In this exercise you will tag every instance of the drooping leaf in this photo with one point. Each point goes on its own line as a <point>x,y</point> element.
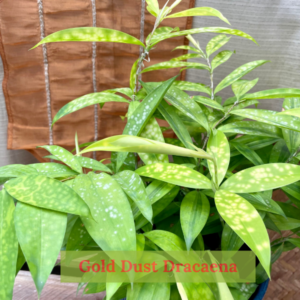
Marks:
<point>243,218</point>
<point>186,56</point>
<point>133,186</point>
<point>252,128</point>
<point>200,11</point>
<point>280,152</point>
<point>230,240</point>
<point>40,233</point>
<point>262,178</point>
<point>175,174</point>
<point>113,228</point>
<point>274,94</point>
<point>148,291</point>
<point>90,34</point>
<point>125,91</point>
<point>87,100</point>
<point>8,246</point>
<point>44,192</point>
<point>93,164</point>
<point>194,211</point>
<point>218,148</point>
<point>53,170</point>
<point>216,43</point>
<point>238,73</point>
<point>65,156</point>
<point>128,143</point>
<point>208,102</point>
<point>175,64</point>
<point>220,58</point>
<point>192,86</point>
<point>241,87</point>
<point>248,153</point>
<point>141,115</point>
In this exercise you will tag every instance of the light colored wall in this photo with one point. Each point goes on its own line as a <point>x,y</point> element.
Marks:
<point>9,156</point>
<point>275,24</point>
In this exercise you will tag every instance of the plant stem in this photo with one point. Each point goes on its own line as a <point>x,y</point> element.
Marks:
<point>293,155</point>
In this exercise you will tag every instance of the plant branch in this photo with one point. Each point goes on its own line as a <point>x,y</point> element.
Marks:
<point>286,238</point>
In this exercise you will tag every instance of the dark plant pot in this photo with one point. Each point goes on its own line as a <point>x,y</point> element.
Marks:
<point>259,293</point>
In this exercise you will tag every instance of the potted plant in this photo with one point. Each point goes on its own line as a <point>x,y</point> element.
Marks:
<point>210,188</point>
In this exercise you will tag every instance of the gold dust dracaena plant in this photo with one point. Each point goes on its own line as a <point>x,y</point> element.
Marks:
<point>210,188</point>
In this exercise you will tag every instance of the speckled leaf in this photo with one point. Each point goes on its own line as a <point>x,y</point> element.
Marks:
<point>160,30</point>
<point>53,170</point>
<point>230,240</point>
<point>189,48</point>
<point>186,56</point>
<point>128,143</point>
<point>90,34</point>
<point>175,64</point>
<point>248,153</point>
<point>65,156</point>
<point>192,87</point>
<point>41,191</point>
<point>280,152</point>
<point>8,246</point>
<point>87,100</point>
<point>218,148</point>
<point>238,73</point>
<point>175,174</point>
<point>269,117</point>
<point>133,186</point>
<point>241,87</point>
<point>252,128</point>
<point>208,102</point>
<point>194,211</point>
<point>262,178</point>
<point>40,233</point>
<point>142,114</point>
<point>93,164</point>
<point>183,102</point>
<point>153,4</point>
<point>13,171</point>
<point>148,291</point>
<point>125,91</point>
<point>273,94</point>
<point>78,238</point>
<point>199,11</point>
<point>220,58</point>
<point>216,43</point>
<point>246,222</point>
<point>114,227</point>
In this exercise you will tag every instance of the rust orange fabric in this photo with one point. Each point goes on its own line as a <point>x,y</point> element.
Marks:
<point>70,68</point>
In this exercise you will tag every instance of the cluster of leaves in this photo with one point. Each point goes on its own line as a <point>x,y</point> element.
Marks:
<point>208,189</point>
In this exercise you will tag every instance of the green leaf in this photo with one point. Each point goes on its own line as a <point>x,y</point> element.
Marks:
<point>295,242</point>
<point>230,240</point>
<point>280,152</point>
<point>65,156</point>
<point>16,170</point>
<point>8,246</point>
<point>199,11</point>
<point>238,73</point>
<point>252,128</point>
<point>160,30</point>
<point>175,64</point>
<point>93,164</point>
<point>148,291</point>
<point>44,192</point>
<point>142,114</point>
<point>194,211</point>
<point>284,223</point>
<point>220,58</point>
<point>128,143</point>
<point>133,186</point>
<point>216,43</point>
<point>90,34</point>
<point>262,178</point>
<point>269,117</point>
<point>192,86</point>
<point>248,153</point>
<point>175,174</point>
<point>243,218</point>
<point>189,48</point>
<point>111,289</point>
<point>113,228</point>
<point>274,94</point>
<point>40,233</point>
<point>208,102</point>
<point>241,87</point>
<point>53,170</point>
<point>87,100</point>
<point>153,4</point>
<point>186,56</point>
<point>133,74</point>
<point>218,148</point>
